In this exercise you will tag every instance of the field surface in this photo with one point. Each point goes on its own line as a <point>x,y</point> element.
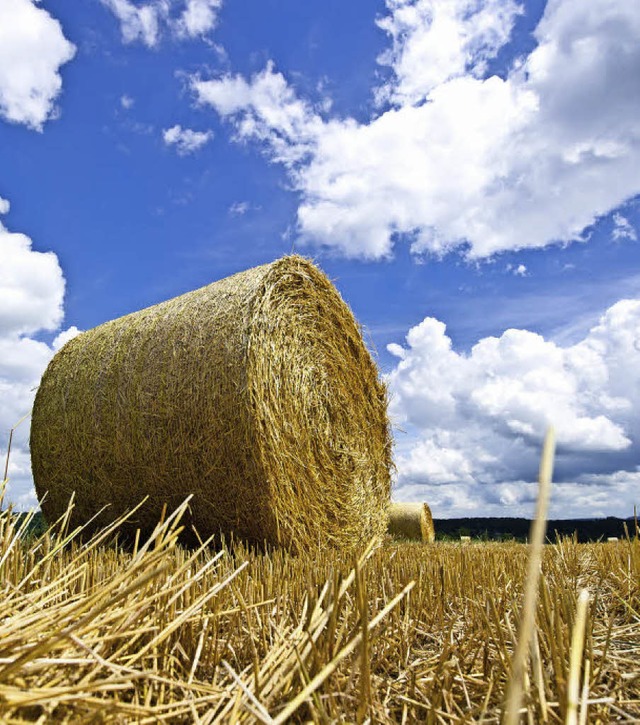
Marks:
<point>91,632</point>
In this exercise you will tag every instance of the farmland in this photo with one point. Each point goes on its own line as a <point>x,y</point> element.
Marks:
<point>91,631</point>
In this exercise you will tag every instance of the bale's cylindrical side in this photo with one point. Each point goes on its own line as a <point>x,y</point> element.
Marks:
<point>411,521</point>
<point>255,394</point>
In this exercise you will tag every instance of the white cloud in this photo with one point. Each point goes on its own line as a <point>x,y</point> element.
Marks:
<point>5,206</point>
<point>590,497</point>
<point>32,292</point>
<point>477,420</point>
<point>146,22</point>
<point>198,17</point>
<point>462,160</point>
<point>185,140</point>
<point>22,362</point>
<point>31,286</point>
<point>63,337</point>
<point>622,228</point>
<point>519,270</point>
<point>32,49</point>
<point>266,109</point>
<point>126,101</point>
<point>239,208</point>
<point>435,41</point>
<point>139,22</point>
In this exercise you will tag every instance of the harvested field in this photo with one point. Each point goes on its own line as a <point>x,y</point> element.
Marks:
<point>255,394</point>
<point>405,633</point>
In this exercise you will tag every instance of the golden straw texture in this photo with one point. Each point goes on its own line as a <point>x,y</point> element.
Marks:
<point>256,394</point>
<point>411,521</point>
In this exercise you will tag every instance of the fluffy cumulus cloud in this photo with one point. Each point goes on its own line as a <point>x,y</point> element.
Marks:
<point>127,102</point>
<point>197,18</point>
<point>474,422</point>
<point>458,158</point>
<point>31,287</point>
<point>435,41</point>
<point>185,140</point>
<point>139,22</point>
<point>32,50</point>
<point>32,292</point>
<point>519,270</point>
<point>266,109</point>
<point>145,22</point>
<point>622,229</point>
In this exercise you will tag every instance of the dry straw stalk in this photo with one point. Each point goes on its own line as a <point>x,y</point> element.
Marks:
<point>411,521</point>
<point>256,394</point>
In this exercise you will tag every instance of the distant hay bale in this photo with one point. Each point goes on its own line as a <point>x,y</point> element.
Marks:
<point>465,539</point>
<point>612,539</point>
<point>411,521</point>
<point>256,394</point>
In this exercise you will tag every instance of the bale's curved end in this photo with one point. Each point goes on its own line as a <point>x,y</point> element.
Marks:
<point>256,394</point>
<point>411,521</point>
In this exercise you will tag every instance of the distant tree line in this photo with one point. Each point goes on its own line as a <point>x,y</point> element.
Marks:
<point>491,529</point>
<point>509,529</point>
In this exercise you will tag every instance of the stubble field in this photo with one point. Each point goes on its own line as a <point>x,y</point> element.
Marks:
<point>92,632</point>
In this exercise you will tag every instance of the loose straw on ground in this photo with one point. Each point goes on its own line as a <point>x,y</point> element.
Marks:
<point>577,648</point>
<point>527,622</point>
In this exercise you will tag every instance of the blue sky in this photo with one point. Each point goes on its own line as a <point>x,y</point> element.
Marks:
<point>467,172</point>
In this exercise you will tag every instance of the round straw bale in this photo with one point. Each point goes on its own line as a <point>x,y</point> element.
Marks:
<point>256,394</point>
<point>411,521</point>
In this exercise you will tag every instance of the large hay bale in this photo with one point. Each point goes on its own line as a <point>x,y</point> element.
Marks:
<point>411,521</point>
<point>256,394</point>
